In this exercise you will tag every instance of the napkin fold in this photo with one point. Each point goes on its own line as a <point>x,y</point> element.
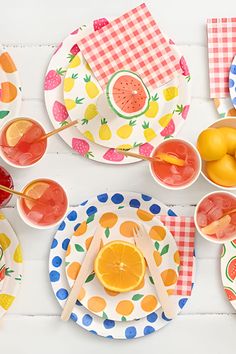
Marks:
<point>133,42</point>
<point>183,231</point>
<point>221,51</point>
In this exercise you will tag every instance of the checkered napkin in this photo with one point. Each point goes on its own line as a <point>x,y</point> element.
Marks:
<point>133,41</point>
<point>221,51</point>
<point>183,230</point>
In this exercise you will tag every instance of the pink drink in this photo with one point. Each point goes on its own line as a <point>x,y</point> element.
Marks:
<point>50,203</point>
<point>5,180</point>
<point>20,142</point>
<point>214,207</point>
<point>170,174</point>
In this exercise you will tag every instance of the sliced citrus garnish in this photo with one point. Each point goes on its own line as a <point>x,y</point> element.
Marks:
<point>217,225</point>
<point>120,266</point>
<point>35,191</point>
<point>16,130</point>
<point>173,160</point>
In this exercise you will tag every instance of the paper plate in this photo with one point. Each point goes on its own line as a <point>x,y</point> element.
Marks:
<point>232,82</point>
<point>224,107</point>
<point>2,267</point>
<point>228,270</point>
<point>10,90</point>
<point>80,85</point>
<point>84,318</point>
<point>13,261</point>
<point>59,115</point>
<point>118,225</point>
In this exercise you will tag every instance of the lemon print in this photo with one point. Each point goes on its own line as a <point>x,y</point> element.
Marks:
<point>170,92</point>
<point>149,303</point>
<point>125,147</point>
<point>126,130</point>
<point>169,277</point>
<point>96,304</point>
<point>2,217</point>
<point>125,307</point>
<point>153,107</point>
<point>157,233</point>
<point>104,131</point>
<point>157,257</point>
<point>177,257</point>
<point>69,82</point>
<point>108,220</point>
<point>149,133</point>
<point>4,241</point>
<point>144,215</point>
<point>89,135</point>
<point>75,62</point>
<point>81,229</point>
<point>70,104</point>
<point>127,228</point>
<point>90,87</point>
<point>165,120</point>
<point>18,255</point>
<point>90,113</point>
<point>6,301</point>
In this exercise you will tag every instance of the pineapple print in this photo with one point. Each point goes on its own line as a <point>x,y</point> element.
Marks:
<point>70,104</point>
<point>88,67</point>
<point>90,113</point>
<point>89,135</point>
<point>165,120</point>
<point>170,92</point>
<point>6,301</point>
<point>148,133</point>
<point>69,82</point>
<point>153,107</point>
<point>90,87</point>
<point>18,255</point>
<point>126,130</point>
<point>74,62</point>
<point>104,131</point>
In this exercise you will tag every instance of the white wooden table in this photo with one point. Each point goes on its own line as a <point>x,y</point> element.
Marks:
<point>30,33</point>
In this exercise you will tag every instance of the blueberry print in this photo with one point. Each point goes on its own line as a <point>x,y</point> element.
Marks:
<point>171,213</point>
<point>54,276</point>
<point>65,244</point>
<point>155,209</point>
<point>54,243</point>
<point>117,198</point>
<point>62,226</point>
<point>87,320</point>
<point>152,317</point>
<point>102,198</point>
<point>130,332</point>
<point>91,210</point>
<point>182,302</point>
<point>72,215</point>
<point>74,317</point>
<point>62,294</point>
<point>134,203</point>
<point>146,198</point>
<point>109,324</point>
<point>56,261</point>
<point>148,329</point>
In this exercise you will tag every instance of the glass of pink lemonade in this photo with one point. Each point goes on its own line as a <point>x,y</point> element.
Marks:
<point>176,176</point>
<point>215,217</point>
<point>48,207</point>
<point>20,144</point>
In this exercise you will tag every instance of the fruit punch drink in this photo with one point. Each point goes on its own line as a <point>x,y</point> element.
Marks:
<point>20,142</point>
<point>49,206</point>
<point>5,180</point>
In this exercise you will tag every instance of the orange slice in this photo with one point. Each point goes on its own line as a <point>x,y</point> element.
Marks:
<point>173,160</point>
<point>35,190</point>
<point>217,225</point>
<point>16,130</point>
<point>120,266</point>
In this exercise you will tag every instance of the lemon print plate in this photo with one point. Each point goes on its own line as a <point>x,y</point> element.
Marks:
<point>13,263</point>
<point>118,224</point>
<point>67,57</point>
<point>60,246</point>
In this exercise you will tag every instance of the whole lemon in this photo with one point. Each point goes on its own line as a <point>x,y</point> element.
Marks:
<point>230,137</point>
<point>222,171</point>
<point>211,144</point>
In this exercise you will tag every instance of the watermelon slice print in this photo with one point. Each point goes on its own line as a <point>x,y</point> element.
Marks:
<point>230,293</point>
<point>231,269</point>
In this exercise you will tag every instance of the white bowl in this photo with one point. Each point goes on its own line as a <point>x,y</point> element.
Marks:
<point>185,185</point>
<point>208,238</point>
<point>224,122</point>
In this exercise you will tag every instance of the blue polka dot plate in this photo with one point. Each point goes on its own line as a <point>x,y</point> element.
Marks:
<point>232,82</point>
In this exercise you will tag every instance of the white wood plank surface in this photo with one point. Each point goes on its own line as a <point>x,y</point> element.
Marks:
<point>30,30</point>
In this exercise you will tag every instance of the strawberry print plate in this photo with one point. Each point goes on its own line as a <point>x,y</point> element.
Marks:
<point>228,271</point>
<point>57,272</point>
<point>10,92</point>
<point>118,224</point>
<point>2,267</point>
<point>65,57</point>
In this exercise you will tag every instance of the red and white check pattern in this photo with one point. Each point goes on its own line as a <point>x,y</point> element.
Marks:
<point>221,51</point>
<point>183,230</point>
<point>133,42</point>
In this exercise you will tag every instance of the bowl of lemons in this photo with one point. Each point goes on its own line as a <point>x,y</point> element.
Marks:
<point>217,147</point>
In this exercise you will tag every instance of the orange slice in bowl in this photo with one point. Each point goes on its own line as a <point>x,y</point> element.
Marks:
<point>173,160</point>
<point>217,225</point>
<point>35,191</point>
<point>16,130</point>
<point>120,266</point>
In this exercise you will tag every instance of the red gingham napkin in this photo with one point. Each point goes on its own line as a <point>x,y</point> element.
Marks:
<point>221,51</point>
<point>183,230</point>
<point>133,41</point>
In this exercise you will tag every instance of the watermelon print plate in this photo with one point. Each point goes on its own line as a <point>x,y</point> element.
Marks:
<point>224,107</point>
<point>10,92</point>
<point>118,224</point>
<point>58,114</point>
<point>84,318</point>
<point>13,262</point>
<point>228,270</point>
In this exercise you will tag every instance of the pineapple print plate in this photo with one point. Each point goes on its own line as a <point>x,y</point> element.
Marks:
<point>57,274</point>
<point>61,61</point>
<point>13,263</point>
<point>118,224</point>
<point>228,271</point>
<point>10,93</point>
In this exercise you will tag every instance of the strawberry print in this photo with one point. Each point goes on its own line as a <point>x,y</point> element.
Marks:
<point>74,50</point>
<point>183,110</point>
<point>59,111</point>
<point>146,149</point>
<point>184,66</point>
<point>53,79</point>
<point>98,24</point>
<point>168,130</point>
<point>82,147</point>
<point>75,31</point>
<point>113,155</point>
<point>2,273</point>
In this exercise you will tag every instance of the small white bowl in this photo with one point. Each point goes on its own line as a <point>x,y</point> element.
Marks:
<point>224,122</point>
<point>185,185</point>
<point>208,238</point>
<point>3,156</point>
<point>33,225</point>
